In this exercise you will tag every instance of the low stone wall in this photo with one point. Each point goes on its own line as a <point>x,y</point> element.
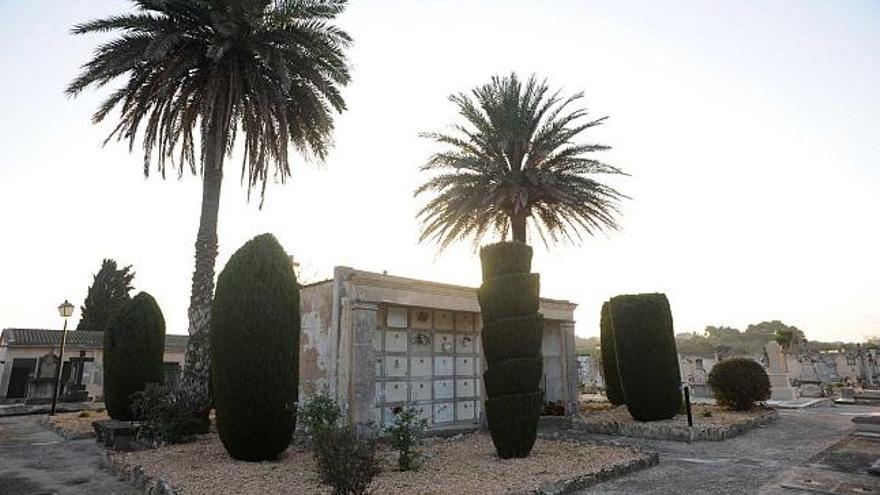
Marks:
<point>678,433</point>
<point>573,485</point>
<point>135,475</point>
<point>67,435</point>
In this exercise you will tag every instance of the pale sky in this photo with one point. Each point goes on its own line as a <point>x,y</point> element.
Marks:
<point>751,130</point>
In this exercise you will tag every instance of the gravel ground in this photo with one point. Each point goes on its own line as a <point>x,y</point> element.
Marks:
<point>77,423</point>
<point>466,464</point>
<point>719,415</point>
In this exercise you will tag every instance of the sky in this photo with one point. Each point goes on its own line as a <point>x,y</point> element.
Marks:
<point>750,130</point>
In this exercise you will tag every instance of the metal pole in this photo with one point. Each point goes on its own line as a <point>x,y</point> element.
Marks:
<point>58,368</point>
<point>687,405</point>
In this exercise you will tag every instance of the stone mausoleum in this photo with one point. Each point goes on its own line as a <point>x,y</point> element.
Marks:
<point>375,341</point>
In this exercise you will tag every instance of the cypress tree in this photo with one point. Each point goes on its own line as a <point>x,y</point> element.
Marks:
<point>134,345</point>
<point>512,328</point>
<point>647,360</point>
<point>609,357</point>
<point>108,293</point>
<point>255,326</point>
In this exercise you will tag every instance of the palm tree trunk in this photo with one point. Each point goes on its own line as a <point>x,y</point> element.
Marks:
<point>518,227</point>
<point>195,381</point>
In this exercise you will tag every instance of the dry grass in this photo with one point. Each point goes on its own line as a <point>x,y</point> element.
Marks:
<point>77,423</point>
<point>703,414</point>
<point>467,464</point>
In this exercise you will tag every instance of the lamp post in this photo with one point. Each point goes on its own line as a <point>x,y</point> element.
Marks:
<point>65,310</point>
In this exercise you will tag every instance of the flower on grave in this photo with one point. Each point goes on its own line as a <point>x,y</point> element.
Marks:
<point>397,410</point>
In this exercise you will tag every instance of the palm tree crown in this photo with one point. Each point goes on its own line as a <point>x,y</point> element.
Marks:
<point>270,69</point>
<point>516,158</point>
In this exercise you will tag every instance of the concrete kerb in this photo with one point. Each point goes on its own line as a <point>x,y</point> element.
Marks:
<point>67,435</point>
<point>572,485</point>
<point>135,475</point>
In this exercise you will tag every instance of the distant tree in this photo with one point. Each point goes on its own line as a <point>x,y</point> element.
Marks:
<point>872,342</point>
<point>108,293</point>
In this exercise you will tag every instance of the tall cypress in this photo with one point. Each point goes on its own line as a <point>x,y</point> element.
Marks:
<point>108,293</point>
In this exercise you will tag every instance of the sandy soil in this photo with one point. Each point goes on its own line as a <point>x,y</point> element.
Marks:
<point>703,414</point>
<point>77,423</point>
<point>466,464</point>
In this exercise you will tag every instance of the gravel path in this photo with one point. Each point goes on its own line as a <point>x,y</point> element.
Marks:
<point>33,460</point>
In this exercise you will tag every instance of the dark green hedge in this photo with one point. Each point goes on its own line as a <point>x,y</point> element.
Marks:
<point>609,357</point>
<point>514,376</point>
<point>516,337</point>
<point>134,344</point>
<point>513,423</point>
<point>647,360</point>
<point>509,295</point>
<point>255,325</point>
<point>505,258</point>
<point>738,383</point>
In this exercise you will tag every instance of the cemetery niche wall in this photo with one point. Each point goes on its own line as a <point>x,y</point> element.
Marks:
<point>375,342</point>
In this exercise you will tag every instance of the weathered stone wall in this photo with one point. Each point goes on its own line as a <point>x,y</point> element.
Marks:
<point>316,306</point>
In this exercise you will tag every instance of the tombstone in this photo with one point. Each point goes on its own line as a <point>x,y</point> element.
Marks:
<point>780,384</point>
<point>811,390</point>
<point>41,387</point>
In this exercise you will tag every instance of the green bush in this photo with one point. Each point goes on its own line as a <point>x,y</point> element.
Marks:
<point>346,460</point>
<point>166,415</point>
<point>512,331</point>
<point>647,360</point>
<point>255,325</point>
<point>738,383</point>
<point>609,357</point>
<point>516,337</point>
<point>513,422</point>
<point>405,434</point>
<point>504,258</point>
<point>134,344</point>
<point>505,296</point>
<point>319,413</point>
<point>514,376</point>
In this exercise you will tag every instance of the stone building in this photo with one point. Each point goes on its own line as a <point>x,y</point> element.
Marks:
<point>374,342</point>
<point>28,360</point>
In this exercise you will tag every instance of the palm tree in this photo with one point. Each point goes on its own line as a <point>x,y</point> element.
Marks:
<point>269,70</point>
<point>516,158</point>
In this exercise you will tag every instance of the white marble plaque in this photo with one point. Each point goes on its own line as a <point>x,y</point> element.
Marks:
<point>465,387</point>
<point>443,389</point>
<point>395,366</point>
<point>395,341</point>
<point>420,366</point>
<point>464,366</point>
<point>465,344</point>
<point>443,365</point>
<point>464,410</point>
<point>420,390</point>
<point>443,412</point>
<point>444,343</point>
<point>396,318</point>
<point>395,392</point>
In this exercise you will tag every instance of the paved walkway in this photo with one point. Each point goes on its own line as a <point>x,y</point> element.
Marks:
<point>753,463</point>
<point>35,461</point>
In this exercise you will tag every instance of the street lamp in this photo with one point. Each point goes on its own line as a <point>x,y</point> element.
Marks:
<point>64,310</point>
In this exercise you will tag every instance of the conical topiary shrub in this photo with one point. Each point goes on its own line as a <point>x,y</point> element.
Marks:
<point>609,357</point>
<point>134,344</point>
<point>647,360</point>
<point>512,328</point>
<point>255,325</point>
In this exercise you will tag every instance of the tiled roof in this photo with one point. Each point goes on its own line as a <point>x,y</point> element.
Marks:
<point>34,337</point>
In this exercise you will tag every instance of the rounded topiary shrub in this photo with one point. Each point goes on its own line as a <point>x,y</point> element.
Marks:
<point>134,343</point>
<point>609,357</point>
<point>647,360</point>
<point>255,325</point>
<point>512,331</point>
<point>739,383</point>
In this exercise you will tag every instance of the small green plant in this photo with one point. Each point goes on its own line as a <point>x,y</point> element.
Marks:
<point>405,433</point>
<point>706,413</point>
<point>84,414</point>
<point>738,383</point>
<point>165,415</point>
<point>346,460</point>
<point>319,413</point>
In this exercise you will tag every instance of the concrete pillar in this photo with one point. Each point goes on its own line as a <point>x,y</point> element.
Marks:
<point>363,362</point>
<point>569,367</point>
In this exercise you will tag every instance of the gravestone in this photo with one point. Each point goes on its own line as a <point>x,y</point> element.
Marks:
<point>780,385</point>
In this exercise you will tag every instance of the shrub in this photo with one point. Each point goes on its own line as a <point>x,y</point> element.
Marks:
<point>85,414</point>
<point>609,357</point>
<point>166,415</point>
<point>255,324</point>
<point>517,337</point>
<point>346,460</point>
<point>509,301</point>
<point>405,433</point>
<point>319,413</point>
<point>556,408</point>
<point>134,343</point>
<point>706,413</point>
<point>647,360</point>
<point>738,383</point>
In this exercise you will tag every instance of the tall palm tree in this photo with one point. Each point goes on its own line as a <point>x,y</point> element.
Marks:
<point>515,157</point>
<point>269,70</point>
